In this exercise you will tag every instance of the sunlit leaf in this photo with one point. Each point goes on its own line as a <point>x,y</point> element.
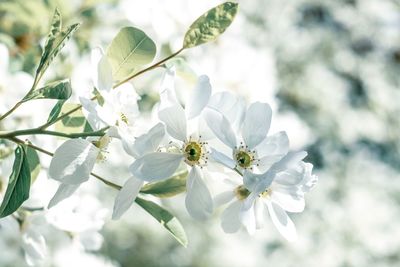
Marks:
<point>129,50</point>
<point>34,163</point>
<point>55,111</point>
<point>169,221</point>
<point>210,25</point>
<point>167,188</point>
<point>55,90</point>
<point>54,43</point>
<point>18,184</point>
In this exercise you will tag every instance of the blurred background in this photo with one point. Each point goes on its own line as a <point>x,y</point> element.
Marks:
<point>330,69</point>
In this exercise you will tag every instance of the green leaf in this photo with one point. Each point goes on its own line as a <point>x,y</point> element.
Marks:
<point>73,123</point>
<point>169,221</point>
<point>54,43</point>
<point>129,50</point>
<point>167,188</point>
<point>55,90</point>
<point>34,163</point>
<point>18,184</point>
<point>55,111</point>
<point>210,25</point>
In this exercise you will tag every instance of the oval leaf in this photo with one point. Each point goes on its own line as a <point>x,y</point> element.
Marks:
<point>169,221</point>
<point>128,51</point>
<point>55,90</point>
<point>34,163</point>
<point>18,184</point>
<point>210,25</point>
<point>167,188</point>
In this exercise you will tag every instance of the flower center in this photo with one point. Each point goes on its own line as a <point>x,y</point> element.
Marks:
<point>195,152</point>
<point>241,192</point>
<point>244,157</point>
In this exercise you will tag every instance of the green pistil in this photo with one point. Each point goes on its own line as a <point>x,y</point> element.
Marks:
<point>243,159</point>
<point>193,151</point>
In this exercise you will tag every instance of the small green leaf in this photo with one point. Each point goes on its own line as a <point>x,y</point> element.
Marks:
<point>210,25</point>
<point>182,69</point>
<point>167,188</point>
<point>55,90</point>
<point>55,111</point>
<point>73,123</point>
<point>169,221</point>
<point>34,163</point>
<point>129,50</point>
<point>18,184</point>
<point>56,40</point>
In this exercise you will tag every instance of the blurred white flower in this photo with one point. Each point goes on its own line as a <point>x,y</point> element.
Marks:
<point>117,108</point>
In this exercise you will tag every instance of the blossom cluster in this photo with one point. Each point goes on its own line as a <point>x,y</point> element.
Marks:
<point>209,131</point>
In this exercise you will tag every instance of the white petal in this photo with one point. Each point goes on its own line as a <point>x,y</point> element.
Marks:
<point>167,90</point>
<point>289,202</point>
<point>90,113</point>
<point>220,127</point>
<point>248,219</point>
<point>198,200</point>
<point>126,196</point>
<point>91,240</point>
<point>232,106</point>
<point>290,160</point>
<point>272,149</point>
<point>259,213</point>
<point>64,191</point>
<point>310,180</point>
<point>230,221</point>
<point>104,77</point>
<point>95,57</point>
<point>258,183</point>
<point>149,141</point>
<point>223,198</point>
<point>256,124</point>
<point>156,166</point>
<point>34,246</point>
<point>73,161</point>
<point>282,221</point>
<point>175,120</point>
<point>222,158</point>
<point>199,97</point>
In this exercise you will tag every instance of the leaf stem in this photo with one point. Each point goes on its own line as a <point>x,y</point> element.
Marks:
<point>10,111</point>
<point>155,65</point>
<point>37,131</point>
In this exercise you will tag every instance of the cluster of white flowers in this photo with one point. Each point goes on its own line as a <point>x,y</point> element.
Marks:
<point>208,131</point>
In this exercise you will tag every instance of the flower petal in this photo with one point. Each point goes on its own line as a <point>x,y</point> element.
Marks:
<point>258,183</point>
<point>230,221</point>
<point>34,246</point>
<point>145,143</point>
<point>198,200</point>
<point>256,124</point>
<point>248,219</point>
<point>222,158</point>
<point>232,106</point>
<point>156,166</point>
<point>126,196</point>
<point>290,160</point>
<point>259,213</point>
<point>64,191</point>
<point>167,90</point>
<point>73,161</point>
<point>223,198</point>
<point>175,120</point>
<point>199,97</point>
<point>289,202</point>
<point>282,221</point>
<point>104,77</point>
<point>272,149</point>
<point>220,127</point>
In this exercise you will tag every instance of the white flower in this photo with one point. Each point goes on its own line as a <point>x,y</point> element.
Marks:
<point>251,148</point>
<point>117,108</point>
<point>143,145</point>
<point>188,148</point>
<point>280,189</point>
<point>71,165</point>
